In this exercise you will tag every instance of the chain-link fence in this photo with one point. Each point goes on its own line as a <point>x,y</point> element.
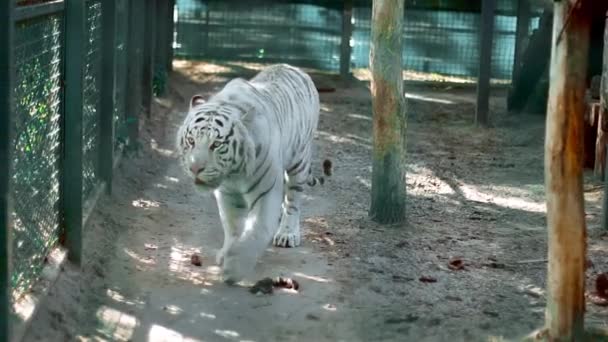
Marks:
<point>67,124</point>
<point>440,37</point>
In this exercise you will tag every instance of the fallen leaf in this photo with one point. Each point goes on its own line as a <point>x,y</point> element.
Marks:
<point>426,279</point>
<point>196,260</point>
<point>601,285</point>
<point>150,246</point>
<point>456,264</point>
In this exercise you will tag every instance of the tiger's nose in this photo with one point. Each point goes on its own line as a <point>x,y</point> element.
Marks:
<point>195,169</point>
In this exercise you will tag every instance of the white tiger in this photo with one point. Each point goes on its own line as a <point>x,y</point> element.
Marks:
<point>251,144</point>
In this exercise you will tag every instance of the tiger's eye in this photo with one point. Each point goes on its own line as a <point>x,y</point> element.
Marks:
<point>191,141</point>
<point>215,145</point>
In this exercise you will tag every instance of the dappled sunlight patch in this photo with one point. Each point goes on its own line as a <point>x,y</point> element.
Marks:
<point>145,204</point>
<point>330,307</point>
<point>207,315</point>
<point>160,186</point>
<point>473,193</point>
<point>173,309</point>
<point>116,324</point>
<point>427,99</point>
<point>162,151</point>
<point>159,333</point>
<point>364,181</point>
<point>180,264</point>
<point>360,117</point>
<point>146,260</point>
<point>313,278</point>
<point>325,108</point>
<point>422,180</point>
<point>342,140</point>
<point>119,298</point>
<point>230,334</point>
<point>171,179</point>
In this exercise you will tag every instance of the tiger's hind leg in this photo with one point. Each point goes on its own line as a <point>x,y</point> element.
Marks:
<point>288,234</point>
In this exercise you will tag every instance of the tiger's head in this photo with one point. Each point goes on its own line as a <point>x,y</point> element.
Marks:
<point>213,143</point>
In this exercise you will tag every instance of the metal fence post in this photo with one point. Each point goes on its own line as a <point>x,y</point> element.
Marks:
<point>134,53</point>
<point>171,33</point>
<point>108,86</point>
<point>347,32</point>
<point>148,62</point>
<point>521,33</point>
<point>72,127</point>
<point>6,92</point>
<point>485,63</point>
<point>161,53</point>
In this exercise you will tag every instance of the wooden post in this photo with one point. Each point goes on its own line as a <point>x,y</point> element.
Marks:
<point>563,172</point>
<point>485,62</point>
<point>108,87</point>
<point>603,112</point>
<point>389,118</point>
<point>72,127</point>
<point>6,110</point>
<point>347,33</point>
<point>521,32</point>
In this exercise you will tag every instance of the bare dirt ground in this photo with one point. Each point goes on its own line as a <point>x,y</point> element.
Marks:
<point>474,195</point>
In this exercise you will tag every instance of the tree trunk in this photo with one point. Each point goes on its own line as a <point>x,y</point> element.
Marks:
<point>388,105</point>
<point>563,172</point>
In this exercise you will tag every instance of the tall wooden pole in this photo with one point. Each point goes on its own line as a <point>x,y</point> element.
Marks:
<point>388,105</point>
<point>563,171</point>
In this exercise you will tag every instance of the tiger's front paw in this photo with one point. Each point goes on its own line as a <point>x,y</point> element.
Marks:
<point>236,267</point>
<point>219,257</point>
<point>287,239</point>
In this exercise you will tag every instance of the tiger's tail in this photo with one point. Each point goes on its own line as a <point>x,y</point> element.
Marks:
<point>327,171</point>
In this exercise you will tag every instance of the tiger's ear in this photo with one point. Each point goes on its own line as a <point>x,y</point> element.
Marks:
<point>196,100</point>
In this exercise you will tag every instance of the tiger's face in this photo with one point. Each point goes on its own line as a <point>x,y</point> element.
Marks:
<point>212,144</point>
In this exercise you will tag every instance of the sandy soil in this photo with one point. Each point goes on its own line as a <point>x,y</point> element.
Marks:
<point>474,195</point>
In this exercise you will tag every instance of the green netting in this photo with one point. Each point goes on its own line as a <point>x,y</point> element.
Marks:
<point>439,36</point>
<point>37,146</point>
<point>92,79</point>
<point>121,60</point>
<point>266,31</point>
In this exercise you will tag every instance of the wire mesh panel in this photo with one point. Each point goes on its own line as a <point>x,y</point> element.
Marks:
<point>92,78</point>
<point>306,34</point>
<point>122,34</point>
<point>37,145</point>
<point>439,37</point>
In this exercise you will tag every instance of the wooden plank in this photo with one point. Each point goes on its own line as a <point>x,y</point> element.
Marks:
<point>564,317</point>
<point>108,94</point>
<point>389,117</point>
<point>75,31</point>
<point>521,32</point>
<point>347,33</point>
<point>485,63</point>
<point>6,109</point>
